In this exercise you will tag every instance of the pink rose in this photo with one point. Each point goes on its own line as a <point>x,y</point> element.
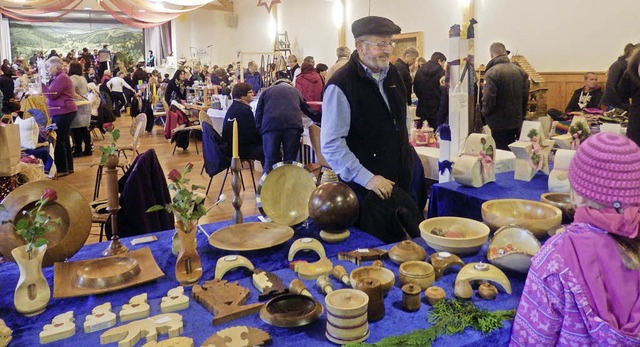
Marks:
<point>49,195</point>
<point>174,175</point>
<point>108,127</point>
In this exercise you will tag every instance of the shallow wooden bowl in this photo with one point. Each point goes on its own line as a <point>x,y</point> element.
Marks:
<point>561,201</point>
<point>385,276</point>
<point>406,250</point>
<point>283,193</point>
<point>512,248</point>
<point>535,216</point>
<point>291,310</point>
<point>475,235</point>
<point>106,273</point>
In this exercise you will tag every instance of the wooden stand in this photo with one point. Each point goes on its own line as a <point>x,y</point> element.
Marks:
<point>236,167</point>
<point>113,206</point>
<point>524,149</point>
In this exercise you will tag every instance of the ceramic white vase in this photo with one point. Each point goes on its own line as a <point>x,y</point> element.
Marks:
<point>32,293</point>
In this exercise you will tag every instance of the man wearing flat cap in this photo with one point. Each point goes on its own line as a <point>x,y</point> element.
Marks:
<point>364,136</point>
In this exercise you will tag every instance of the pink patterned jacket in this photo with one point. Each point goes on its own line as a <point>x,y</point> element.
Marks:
<point>555,307</point>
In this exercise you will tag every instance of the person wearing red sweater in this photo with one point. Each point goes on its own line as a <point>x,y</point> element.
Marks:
<point>310,84</point>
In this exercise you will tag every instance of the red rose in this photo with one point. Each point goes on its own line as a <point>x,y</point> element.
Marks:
<point>174,175</point>
<point>49,195</point>
<point>189,167</point>
<point>108,127</point>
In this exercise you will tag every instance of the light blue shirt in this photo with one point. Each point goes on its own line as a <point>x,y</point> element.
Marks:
<point>336,122</point>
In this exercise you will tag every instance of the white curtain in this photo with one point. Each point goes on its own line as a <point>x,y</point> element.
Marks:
<point>5,40</point>
<point>158,39</point>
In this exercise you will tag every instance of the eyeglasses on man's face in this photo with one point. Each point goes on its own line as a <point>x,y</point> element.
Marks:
<point>381,44</point>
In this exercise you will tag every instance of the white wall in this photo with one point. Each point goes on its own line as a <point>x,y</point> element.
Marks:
<point>554,35</point>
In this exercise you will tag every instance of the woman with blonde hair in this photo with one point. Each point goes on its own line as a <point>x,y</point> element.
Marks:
<point>583,287</point>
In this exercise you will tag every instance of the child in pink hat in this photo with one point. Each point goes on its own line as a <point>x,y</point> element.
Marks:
<point>583,287</point>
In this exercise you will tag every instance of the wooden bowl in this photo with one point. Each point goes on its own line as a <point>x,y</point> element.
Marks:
<point>291,310</point>
<point>417,272</point>
<point>283,194</point>
<point>536,216</point>
<point>475,235</point>
<point>385,276</point>
<point>512,248</point>
<point>406,250</point>
<point>561,201</point>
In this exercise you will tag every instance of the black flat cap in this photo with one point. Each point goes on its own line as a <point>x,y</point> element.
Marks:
<point>373,25</point>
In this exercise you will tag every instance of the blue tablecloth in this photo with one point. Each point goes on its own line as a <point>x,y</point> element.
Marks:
<point>197,320</point>
<point>454,199</point>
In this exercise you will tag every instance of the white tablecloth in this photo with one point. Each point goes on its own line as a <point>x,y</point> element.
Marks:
<point>217,117</point>
<point>505,161</point>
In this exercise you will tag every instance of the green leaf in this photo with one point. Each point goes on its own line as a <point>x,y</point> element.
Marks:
<point>39,242</point>
<point>22,224</point>
<point>155,208</point>
<point>115,135</point>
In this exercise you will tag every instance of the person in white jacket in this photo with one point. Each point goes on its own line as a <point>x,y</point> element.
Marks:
<point>116,86</point>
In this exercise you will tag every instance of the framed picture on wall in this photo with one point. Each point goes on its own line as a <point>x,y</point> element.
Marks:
<point>406,40</point>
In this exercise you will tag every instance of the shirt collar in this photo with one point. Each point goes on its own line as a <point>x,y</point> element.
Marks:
<point>383,72</point>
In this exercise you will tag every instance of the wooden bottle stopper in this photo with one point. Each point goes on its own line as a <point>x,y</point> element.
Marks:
<point>411,297</point>
<point>434,294</point>
<point>297,287</point>
<point>340,274</point>
<point>487,291</point>
<point>324,284</point>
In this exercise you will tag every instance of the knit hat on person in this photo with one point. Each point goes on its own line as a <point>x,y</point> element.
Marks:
<point>606,170</point>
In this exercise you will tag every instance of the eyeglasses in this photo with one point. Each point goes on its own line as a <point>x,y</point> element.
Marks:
<point>381,45</point>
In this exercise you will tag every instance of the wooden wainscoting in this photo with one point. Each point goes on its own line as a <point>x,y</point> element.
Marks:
<point>561,86</point>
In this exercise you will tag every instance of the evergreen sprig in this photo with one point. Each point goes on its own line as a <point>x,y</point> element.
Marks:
<point>448,317</point>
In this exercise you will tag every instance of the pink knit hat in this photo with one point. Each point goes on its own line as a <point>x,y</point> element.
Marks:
<point>606,169</point>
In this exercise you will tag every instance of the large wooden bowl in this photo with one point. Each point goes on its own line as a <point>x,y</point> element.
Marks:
<point>561,201</point>
<point>475,235</point>
<point>535,216</point>
<point>283,193</point>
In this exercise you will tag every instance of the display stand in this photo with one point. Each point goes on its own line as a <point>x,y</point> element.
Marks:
<point>531,151</point>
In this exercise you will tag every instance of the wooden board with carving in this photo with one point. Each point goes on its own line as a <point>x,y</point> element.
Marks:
<point>226,300</point>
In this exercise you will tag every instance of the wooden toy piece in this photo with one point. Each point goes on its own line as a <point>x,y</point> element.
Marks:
<point>268,284</point>
<point>129,334</point>
<point>5,334</point>
<point>360,254</point>
<point>324,284</point>
<point>307,244</point>
<point>180,341</point>
<point>297,287</point>
<point>62,326</point>
<point>225,300</point>
<point>311,271</point>
<point>559,176</point>
<point>100,318</point>
<point>137,308</point>
<point>476,164</point>
<point>240,336</point>
<point>230,262</point>
<point>340,274</point>
<point>531,156</point>
<point>174,301</point>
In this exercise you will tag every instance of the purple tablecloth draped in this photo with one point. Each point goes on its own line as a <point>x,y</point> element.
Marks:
<point>454,199</point>
<point>197,320</point>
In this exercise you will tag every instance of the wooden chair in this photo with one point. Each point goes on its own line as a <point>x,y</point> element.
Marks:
<point>314,136</point>
<point>140,122</point>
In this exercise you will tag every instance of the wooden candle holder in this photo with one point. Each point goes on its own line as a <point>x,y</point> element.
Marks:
<point>113,206</point>
<point>236,182</point>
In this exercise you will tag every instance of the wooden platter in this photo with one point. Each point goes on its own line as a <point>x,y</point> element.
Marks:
<point>102,275</point>
<point>283,193</point>
<point>70,207</point>
<point>291,310</point>
<point>250,236</point>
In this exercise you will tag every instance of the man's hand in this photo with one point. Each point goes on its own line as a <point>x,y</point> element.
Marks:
<point>381,186</point>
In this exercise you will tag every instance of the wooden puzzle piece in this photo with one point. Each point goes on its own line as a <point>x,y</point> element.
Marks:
<point>137,308</point>
<point>225,300</point>
<point>100,318</point>
<point>62,326</point>
<point>5,334</point>
<point>180,341</point>
<point>129,334</point>
<point>268,284</point>
<point>174,301</point>
<point>240,336</point>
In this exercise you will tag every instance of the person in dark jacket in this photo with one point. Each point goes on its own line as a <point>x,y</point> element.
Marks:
<point>279,120</point>
<point>9,104</point>
<point>427,88</point>
<point>310,84</point>
<point>253,77</point>
<point>404,68</point>
<point>364,138</point>
<point>249,139</point>
<point>586,97</point>
<point>139,75</point>
<point>176,90</point>
<point>629,88</point>
<point>505,97</point>
<point>611,99</point>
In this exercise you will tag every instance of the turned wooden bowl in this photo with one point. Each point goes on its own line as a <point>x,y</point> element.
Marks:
<point>535,216</point>
<point>561,201</point>
<point>291,310</point>
<point>512,248</point>
<point>385,276</point>
<point>417,272</point>
<point>474,233</point>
